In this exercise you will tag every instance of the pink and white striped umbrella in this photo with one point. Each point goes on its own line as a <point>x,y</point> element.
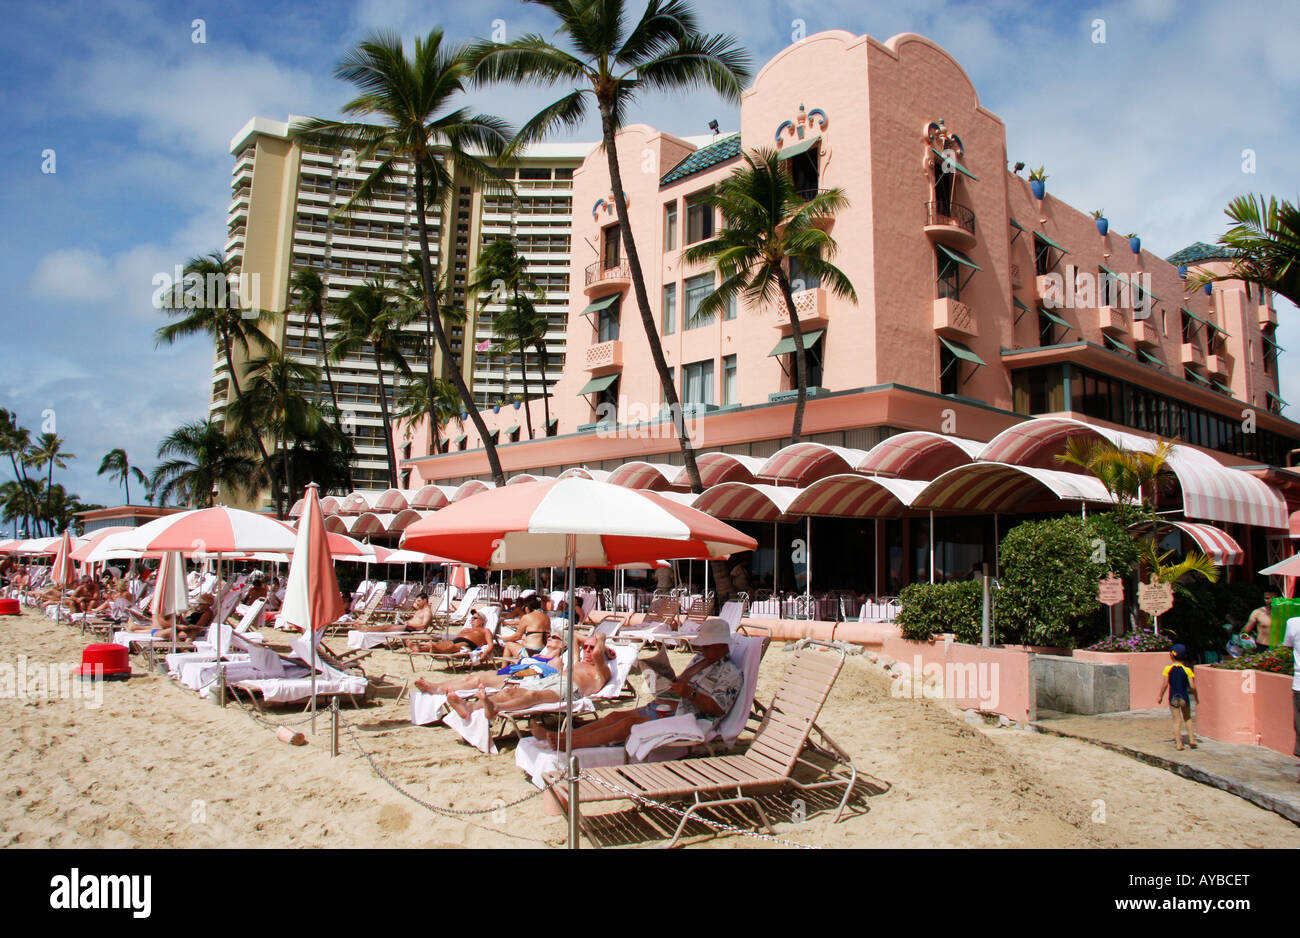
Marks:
<point>312,599</point>
<point>219,530</point>
<point>65,568</point>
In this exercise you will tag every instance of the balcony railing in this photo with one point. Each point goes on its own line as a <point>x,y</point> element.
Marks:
<point>605,357</point>
<point>809,305</point>
<point>950,213</point>
<point>599,273</point>
<point>954,319</point>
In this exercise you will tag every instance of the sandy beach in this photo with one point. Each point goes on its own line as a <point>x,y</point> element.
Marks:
<point>156,766</point>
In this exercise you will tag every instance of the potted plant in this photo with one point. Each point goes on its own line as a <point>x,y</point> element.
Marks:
<point>1134,242</point>
<point>1182,271</point>
<point>1038,182</point>
<point>1103,224</point>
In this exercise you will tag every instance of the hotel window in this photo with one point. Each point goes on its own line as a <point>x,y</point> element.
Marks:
<point>1189,328</point>
<point>699,218</point>
<point>949,371</point>
<point>802,279</point>
<point>730,385</point>
<point>729,310</point>
<point>607,324</point>
<point>805,172</point>
<point>955,271</point>
<point>697,290</point>
<point>1044,261</point>
<point>670,226</point>
<point>534,174</point>
<point>670,309</point>
<point>612,242</point>
<point>697,383</point>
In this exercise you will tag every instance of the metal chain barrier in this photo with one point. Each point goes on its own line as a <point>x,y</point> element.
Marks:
<point>258,718</point>
<point>717,825</point>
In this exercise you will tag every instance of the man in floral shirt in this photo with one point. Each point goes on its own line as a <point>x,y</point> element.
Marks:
<point>706,690</point>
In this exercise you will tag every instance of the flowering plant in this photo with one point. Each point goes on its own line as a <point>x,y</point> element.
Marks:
<point>1141,640</point>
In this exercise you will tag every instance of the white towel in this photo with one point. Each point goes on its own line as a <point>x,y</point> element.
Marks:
<point>538,759</point>
<point>649,736</point>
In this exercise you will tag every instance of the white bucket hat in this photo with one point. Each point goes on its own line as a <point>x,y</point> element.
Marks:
<point>714,631</point>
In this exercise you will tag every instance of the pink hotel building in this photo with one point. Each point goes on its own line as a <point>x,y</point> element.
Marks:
<point>959,335</point>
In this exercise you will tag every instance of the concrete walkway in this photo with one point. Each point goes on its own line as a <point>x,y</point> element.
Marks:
<point>1259,775</point>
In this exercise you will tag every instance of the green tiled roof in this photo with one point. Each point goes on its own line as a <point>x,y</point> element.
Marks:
<point>703,158</point>
<point>1200,251</point>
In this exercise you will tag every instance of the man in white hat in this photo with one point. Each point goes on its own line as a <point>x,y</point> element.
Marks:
<point>706,690</point>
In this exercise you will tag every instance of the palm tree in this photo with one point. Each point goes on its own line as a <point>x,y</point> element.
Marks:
<point>16,497</point>
<point>48,449</point>
<point>412,96</point>
<point>369,317</point>
<point>770,229</point>
<point>276,402</point>
<point>219,317</point>
<point>1265,244</point>
<point>115,462</point>
<point>15,440</point>
<point>417,399</point>
<point>203,457</point>
<point>503,272</point>
<point>613,64</point>
<point>309,288</point>
<point>1134,479</point>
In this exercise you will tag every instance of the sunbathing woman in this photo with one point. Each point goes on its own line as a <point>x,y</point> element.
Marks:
<point>531,631</point>
<point>590,674</point>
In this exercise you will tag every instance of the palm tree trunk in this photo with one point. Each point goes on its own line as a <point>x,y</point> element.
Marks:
<point>329,375</point>
<point>435,321</point>
<point>523,368</point>
<point>383,409</point>
<point>126,481</point>
<point>546,391</point>
<point>643,301</point>
<point>800,358</point>
<point>49,496</point>
<point>20,475</point>
<point>267,464</point>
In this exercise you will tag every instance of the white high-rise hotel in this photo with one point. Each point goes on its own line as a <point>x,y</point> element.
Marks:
<point>279,221</point>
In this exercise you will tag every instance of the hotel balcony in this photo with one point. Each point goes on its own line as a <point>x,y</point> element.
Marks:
<point>950,223</point>
<point>1192,354</point>
<point>605,358</point>
<point>810,305</point>
<point>600,277</point>
<point>1113,320</point>
<point>1267,316</point>
<point>1218,365</point>
<point>953,319</point>
<point>1145,332</point>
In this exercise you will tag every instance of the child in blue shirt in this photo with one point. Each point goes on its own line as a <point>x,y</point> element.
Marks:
<point>1179,681</point>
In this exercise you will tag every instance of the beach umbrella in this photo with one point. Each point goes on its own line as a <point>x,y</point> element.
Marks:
<point>65,569</point>
<point>312,599</point>
<point>458,576</point>
<point>582,522</point>
<point>1288,567</point>
<point>171,595</point>
<point>82,552</point>
<point>220,530</point>
<point>38,546</point>
<point>10,546</point>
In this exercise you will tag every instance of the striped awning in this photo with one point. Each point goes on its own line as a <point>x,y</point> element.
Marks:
<point>526,477</point>
<point>743,501</point>
<point>470,488</point>
<point>804,463</point>
<point>370,523</point>
<point>1211,490</point>
<point>644,475</point>
<point>432,497</point>
<point>1217,543</point>
<point>403,520</point>
<point>716,468</point>
<point>989,486</point>
<point>918,454</point>
<point>855,496</point>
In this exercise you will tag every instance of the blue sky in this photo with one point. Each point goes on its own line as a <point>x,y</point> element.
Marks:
<point>140,119</point>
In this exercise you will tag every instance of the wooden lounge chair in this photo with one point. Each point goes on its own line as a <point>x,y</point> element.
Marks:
<point>782,744</point>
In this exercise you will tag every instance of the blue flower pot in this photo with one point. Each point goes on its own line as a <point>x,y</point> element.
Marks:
<point>1103,226</point>
<point>1209,289</point>
<point>1182,271</point>
<point>1135,245</point>
<point>496,409</point>
<point>1039,188</point>
<point>516,405</point>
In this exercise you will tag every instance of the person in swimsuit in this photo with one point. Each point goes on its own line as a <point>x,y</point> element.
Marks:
<point>1180,681</point>
<point>532,630</point>
<point>419,620</point>
<point>474,636</point>
<point>706,690</point>
<point>1261,621</point>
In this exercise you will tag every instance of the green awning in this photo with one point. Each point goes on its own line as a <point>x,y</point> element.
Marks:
<point>786,345</point>
<point>1016,225</point>
<point>1046,240</point>
<point>1107,270</point>
<point>605,302</point>
<point>555,422</point>
<point>789,153</point>
<point>955,165</point>
<point>1223,332</point>
<point>1117,343</point>
<point>1151,358</point>
<point>1194,316</point>
<point>1273,345</point>
<point>1015,301</point>
<point>460,439</point>
<point>1195,377</point>
<point>1222,387</point>
<point>510,430</point>
<point>956,255</point>
<point>596,385</point>
<point>1274,397</point>
<point>962,351</point>
<point>1055,318</point>
<point>494,435</point>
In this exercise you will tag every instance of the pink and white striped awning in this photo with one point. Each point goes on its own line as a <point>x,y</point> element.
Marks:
<point>717,468</point>
<point>744,501</point>
<point>805,463</point>
<point>1218,544</point>
<point>919,454</point>
<point>855,496</point>
<point>527,477</point>
<point>1211,490</point>
<point>432,497</point>
<point>471,488</point>
<point>986,486</point>
<point>582,472</point>
<point>637,474</point>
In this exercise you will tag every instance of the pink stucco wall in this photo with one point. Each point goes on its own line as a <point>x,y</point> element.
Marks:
<point>1006,669</point>
<point>1248,707</point>
<point>1145,670</point>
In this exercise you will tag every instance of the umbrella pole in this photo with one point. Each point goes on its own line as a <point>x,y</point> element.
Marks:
<point>807,557</point>
<point>568,703</point>
<point>932,545</point>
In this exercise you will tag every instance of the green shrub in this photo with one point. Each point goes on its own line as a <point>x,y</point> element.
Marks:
<point>931,608</point>
<point>1278,660</point>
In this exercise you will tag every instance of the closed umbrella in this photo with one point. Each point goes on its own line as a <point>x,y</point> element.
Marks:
<point>65,569</point>
<point>171,595</point>
<point>588,524</point>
